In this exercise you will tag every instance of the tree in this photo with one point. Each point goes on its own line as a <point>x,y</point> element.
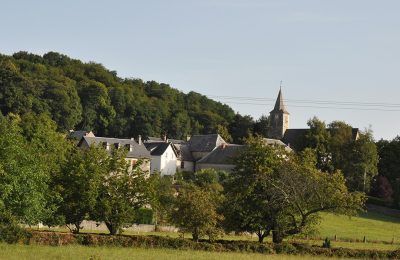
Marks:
<point>123,190</point>
<point>196,211</point>
<point>273,192</point>
<point>261,126</point>
<point>80,184</point>
<point>24,181</point>
<point>162,198</point>
<point>318,138</point>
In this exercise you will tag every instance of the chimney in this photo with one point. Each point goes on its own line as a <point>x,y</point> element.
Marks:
<point>139,140</point>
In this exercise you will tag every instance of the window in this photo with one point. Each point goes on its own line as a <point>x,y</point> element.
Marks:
<point>182,164</point>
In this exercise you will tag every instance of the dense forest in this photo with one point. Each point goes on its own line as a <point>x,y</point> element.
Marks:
<point>78,95</point>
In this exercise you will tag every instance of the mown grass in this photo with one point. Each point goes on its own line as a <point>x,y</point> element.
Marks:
<point>374,226</point>
<point>97,253</point>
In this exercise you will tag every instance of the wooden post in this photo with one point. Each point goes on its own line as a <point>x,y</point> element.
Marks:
<point>365,240</point>
<point>335,237</point>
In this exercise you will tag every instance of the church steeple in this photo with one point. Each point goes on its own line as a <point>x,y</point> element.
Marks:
<point>279,118</point>
<point>279,105</point>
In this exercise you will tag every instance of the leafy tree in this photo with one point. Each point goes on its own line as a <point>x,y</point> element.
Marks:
<point>80,184</point>
<point>261,126</point>
<point>319,138</point>
<point>161,196</point>
<point>270,191</point>
<point>24,181</point>
<point>241,128</point>
<point>196,211</point>
<point>122,192</point>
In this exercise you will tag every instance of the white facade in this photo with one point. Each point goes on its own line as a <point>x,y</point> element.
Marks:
<point>165,163</point>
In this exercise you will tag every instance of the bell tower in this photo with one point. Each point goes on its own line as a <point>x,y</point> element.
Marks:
<point>279,118</point>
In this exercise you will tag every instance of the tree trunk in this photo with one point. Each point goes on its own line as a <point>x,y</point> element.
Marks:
<point>195,236</point>
<point>77,227</point>
<point>260,237</point>
<point>277,237</point>
<point>112,228</point>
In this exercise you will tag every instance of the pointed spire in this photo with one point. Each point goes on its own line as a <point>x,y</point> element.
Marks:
<point>279,105</point>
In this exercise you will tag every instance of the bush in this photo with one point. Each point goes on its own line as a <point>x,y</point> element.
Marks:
<point>285,248</point>
<point>10,231</point>
<point>326,243</point>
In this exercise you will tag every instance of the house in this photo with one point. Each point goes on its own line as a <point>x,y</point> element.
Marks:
<point>279,127</point>
<point>163,157</point>
<point>201,145</point>
<point>136,151</point>
<point>221,158</point>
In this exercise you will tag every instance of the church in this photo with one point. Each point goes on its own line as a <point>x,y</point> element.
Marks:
<point>279,127</point>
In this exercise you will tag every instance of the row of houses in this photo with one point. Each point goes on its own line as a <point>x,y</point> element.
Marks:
<point>199,151</point>
<point>169,156</point>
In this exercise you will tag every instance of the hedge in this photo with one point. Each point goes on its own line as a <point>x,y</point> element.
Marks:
<point>58,239</point>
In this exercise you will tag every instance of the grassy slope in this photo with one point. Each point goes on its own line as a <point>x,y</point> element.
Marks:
<point>96,253</point>
<point>374,226</point>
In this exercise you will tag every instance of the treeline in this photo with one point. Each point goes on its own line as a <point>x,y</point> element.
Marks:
<point>87,96</point>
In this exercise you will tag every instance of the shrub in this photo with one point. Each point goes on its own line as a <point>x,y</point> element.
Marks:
<point>10,231</point>
<point>285,248</point>
<point>326,243</point>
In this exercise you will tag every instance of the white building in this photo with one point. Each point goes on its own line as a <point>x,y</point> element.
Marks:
<point>163,157</point>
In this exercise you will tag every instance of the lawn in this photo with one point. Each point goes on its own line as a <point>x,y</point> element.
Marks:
<point>97,253</point>
<point>374,226</point>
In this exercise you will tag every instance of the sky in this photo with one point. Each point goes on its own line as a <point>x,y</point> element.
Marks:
<point>337,60</point>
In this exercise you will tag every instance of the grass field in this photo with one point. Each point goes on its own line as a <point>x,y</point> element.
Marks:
<point>96,253</point>
<point>376,227</point>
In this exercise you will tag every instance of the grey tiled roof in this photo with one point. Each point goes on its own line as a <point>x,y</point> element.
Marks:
<point>205,143</point>
<point>158,148</point>
<point>277,142</point>
<point>138,151</point>
<point>184,152</point>
<point>223,154</point>
<point>279,104</point>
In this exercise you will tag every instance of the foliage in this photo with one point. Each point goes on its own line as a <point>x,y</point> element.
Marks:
<point>161,194</point>
<point>270,191</point>
<point>122,191</point>
<point>10,231</point>
<point>389,167</point>
<point>88,96</point>
<point>196,211</point>
<point>26,170</point>
<point>80,183</point>
<point>336,149</point>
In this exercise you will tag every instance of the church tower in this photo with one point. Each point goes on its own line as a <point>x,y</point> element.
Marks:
<point>279,119</point>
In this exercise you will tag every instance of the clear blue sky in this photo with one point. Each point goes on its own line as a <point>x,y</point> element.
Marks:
<point>342,50</point>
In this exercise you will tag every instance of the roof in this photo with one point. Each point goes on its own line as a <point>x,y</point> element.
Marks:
<point>159,148</point>
<point>276,142</point>
<point>279,104</point>
<point>205,143</point>
<point>295,138</point>
<point>79,134</point>
<point>152,139</point>
<point>223,154</point>
<point>138,151</point>
<point>184,152</point>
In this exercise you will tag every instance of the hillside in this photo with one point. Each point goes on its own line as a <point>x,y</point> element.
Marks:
<point>80,95</point>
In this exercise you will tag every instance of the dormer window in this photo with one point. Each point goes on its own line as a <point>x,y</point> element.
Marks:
<point>106,145</point>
